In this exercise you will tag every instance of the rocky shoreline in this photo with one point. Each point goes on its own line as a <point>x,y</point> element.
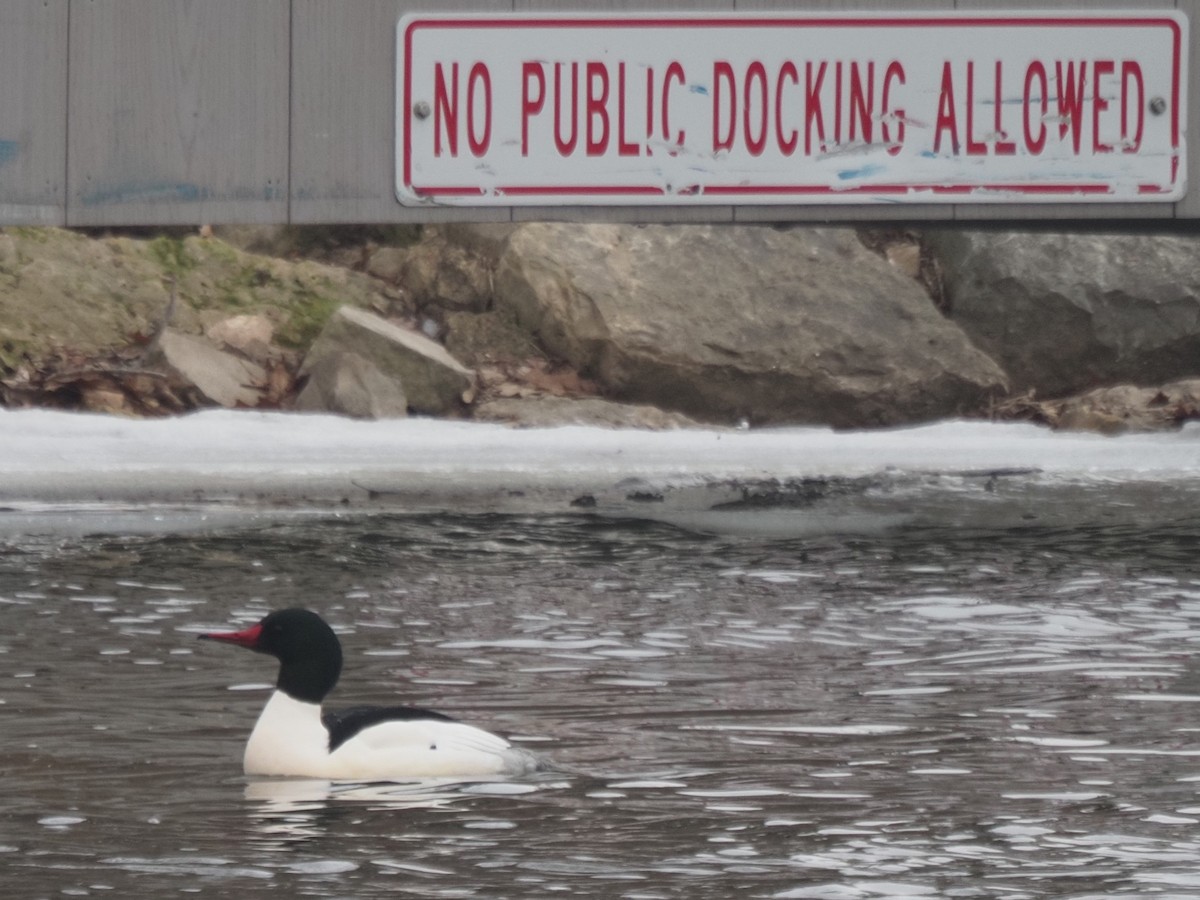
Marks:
<point>625,326</point>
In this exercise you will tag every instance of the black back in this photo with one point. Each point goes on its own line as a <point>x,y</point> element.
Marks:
<point>344,724</point>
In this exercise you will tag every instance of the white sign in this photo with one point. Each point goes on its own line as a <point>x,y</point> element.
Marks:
<point>790,108</point>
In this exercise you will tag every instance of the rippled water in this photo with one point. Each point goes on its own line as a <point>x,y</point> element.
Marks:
<point>928,713</point>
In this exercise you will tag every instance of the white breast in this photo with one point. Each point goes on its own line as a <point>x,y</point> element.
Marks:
<point>289,739</point>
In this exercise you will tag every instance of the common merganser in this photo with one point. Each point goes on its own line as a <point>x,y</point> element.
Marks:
<point>364,743</point>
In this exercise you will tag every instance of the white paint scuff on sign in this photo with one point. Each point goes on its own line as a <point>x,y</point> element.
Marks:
<point>501,110</point>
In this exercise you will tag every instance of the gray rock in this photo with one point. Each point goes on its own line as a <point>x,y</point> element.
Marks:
<point>59,288</point>
<point>388,264</point>
<point>1066,312</point>
<point>434,382</point>
<point>447,276</point>
<point>250,335</point>
<point>223,378</point>
<point>730,323</point>
<point>346,384</point>
<point>486,240</point>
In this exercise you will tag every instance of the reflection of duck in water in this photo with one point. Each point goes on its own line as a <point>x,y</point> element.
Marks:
<point>289,811</point>
<point>364,743</point>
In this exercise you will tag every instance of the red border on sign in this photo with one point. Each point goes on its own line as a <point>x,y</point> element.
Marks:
<point>744,192</point>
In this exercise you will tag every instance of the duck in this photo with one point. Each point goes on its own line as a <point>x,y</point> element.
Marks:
<point>295,736</point>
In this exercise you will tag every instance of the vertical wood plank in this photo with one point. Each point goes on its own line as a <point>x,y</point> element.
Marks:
<point>33,114</point>
<point>1189,206</point>
<point>344,112</point>
<point>178,111</point>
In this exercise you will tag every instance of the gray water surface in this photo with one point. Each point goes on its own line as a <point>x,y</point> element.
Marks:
<point>931,712</point>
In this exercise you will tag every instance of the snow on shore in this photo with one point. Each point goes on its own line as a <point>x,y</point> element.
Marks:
<point>243,457</point>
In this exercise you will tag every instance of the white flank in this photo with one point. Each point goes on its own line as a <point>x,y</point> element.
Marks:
<point>289,739</point>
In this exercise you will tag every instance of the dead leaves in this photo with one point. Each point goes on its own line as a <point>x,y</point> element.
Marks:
<point>116,384</point>
<point>532,377</point>
<point>1112,410</point>
<point>122,383</point>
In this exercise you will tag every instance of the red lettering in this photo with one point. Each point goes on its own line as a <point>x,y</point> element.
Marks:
<point>1002,147</point>
<point>1100,68</point>
<point>649,107</point>
<point>445,106</point>
<point>1036,71</point>
<point>674,73</point>
<point>837,102</point>
<point>787,145</point>
<point>895,71</point>
<point>1132,71</point>
<point>1070,101</point>
<point>723,71</point>
<point>974,147</point>
<point>862,103</point>
<point>531,73</point>
<point>624,147</point>
<point>947,118</point>
<point>566,147</point>
<point>597,108</point>
<point>479,76</point>
<point>755,143</point>
<point>812,106</point>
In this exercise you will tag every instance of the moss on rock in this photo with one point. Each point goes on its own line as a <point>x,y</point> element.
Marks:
<point>63,289</point>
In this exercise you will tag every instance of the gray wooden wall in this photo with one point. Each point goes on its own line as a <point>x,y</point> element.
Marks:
<point>121,112</point>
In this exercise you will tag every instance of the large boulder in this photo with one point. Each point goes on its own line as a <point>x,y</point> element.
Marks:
<point>433,381</point>
<point>349,385</point>
<point>729,323</point>
<point>1067,312</point>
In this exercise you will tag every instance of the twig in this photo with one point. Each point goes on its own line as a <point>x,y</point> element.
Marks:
<point>102,370</point>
